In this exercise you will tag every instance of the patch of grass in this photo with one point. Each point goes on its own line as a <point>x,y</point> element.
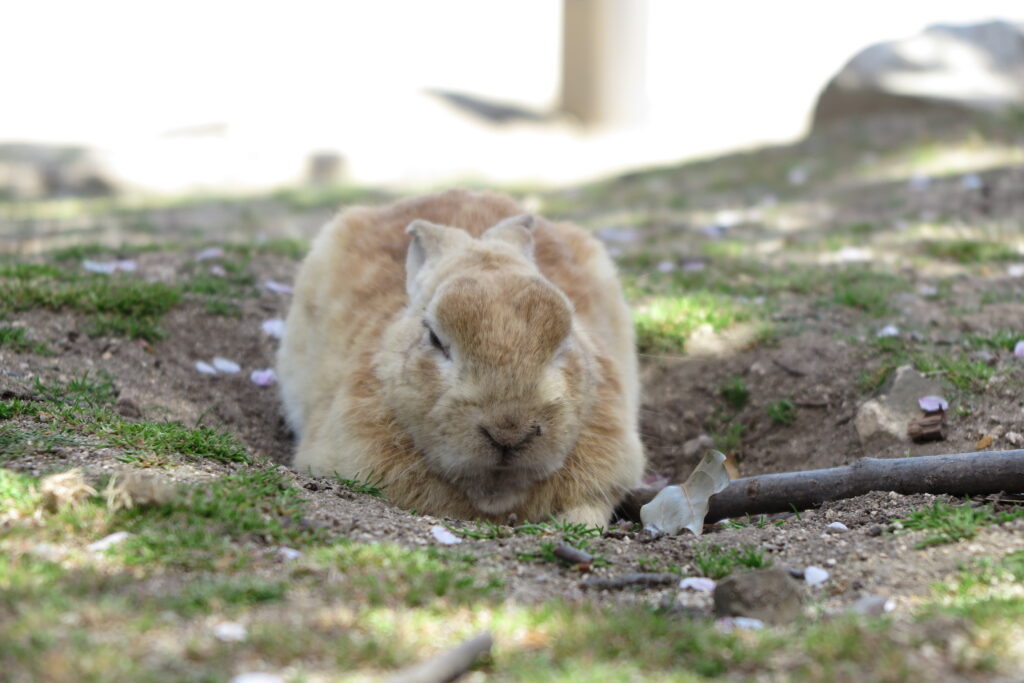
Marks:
<point>760,522</point>
<point>865,290</point>
<point>289,247</point>
<point>210,526</point>
<point>716,562</point>
<point>951,523</point>
<point>729,436</point>
<point>735,392</point>
<point>368,485</point>
<point>664,323</point>
<point>83,390</point>
<point>224,308</point>
<point>217,593</point>
<point>86,251</point>
<point>14,338</point>
<point>16,440</point>
<point>381,574</point>
<point>970,251</point>
<point>782,411</point>
<point>140,439</point>
<point>116,305</point>
<point>965,374</point>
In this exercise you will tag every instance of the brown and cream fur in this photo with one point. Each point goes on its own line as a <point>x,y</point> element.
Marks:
<point>478,361</point>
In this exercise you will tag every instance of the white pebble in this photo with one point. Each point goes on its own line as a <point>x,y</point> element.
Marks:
<point>444,536</point>
<point>257,677</point>
<point>288,554</point>
<point>229,632</point>
<point>815,575</point>
<point>108,541</point>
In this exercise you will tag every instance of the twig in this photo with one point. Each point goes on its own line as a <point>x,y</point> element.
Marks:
<point>647,579</point>
<point>448,665</point>
<point>572,555</point>
<point>960,474</point>
<point>791,371</point>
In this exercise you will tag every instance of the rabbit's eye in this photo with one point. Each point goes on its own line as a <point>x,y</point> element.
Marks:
<point>436,343</point>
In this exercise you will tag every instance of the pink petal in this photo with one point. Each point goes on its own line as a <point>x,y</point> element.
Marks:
<point>277,287</point>
<point>263,378</point>
<point>274,327</point>
<point>225,365</point>
<point>698,583</point>
<point>210,253</point>
<point>205,368</point>
<point>1018,350</point>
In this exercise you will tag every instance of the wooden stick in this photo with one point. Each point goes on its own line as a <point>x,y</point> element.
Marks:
<point>572,555</point>
<point>635,579</point>
<point>448,665</point>
<point>960,474</point>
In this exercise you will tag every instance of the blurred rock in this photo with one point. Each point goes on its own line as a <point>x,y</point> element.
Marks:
<point>884,420</point>
<point>766,594</point>
<point>33,171</point>
<point>976,67</point>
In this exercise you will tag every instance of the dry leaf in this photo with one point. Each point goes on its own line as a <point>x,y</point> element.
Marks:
<point>684,507</point>
<point>984,442</point>
<point>66,488</point>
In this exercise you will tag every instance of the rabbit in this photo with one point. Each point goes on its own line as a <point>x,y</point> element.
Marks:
<point>477,361</point>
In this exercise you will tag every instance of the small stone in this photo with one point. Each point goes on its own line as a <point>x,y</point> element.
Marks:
<point>815,576</point>
<point>127,408</point>
<point>986,357</point>
<point>229,632</point>
<point>872,606</point>
<point>1014,438</point>
<point>766,594</point>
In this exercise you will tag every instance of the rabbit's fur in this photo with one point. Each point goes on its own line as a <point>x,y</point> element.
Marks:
<point>478,370</point>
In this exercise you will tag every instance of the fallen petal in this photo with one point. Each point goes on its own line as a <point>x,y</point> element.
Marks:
<point>444,536</point>
<point>274,327</point>
<point>106,267</point>
<point>888,331</point>
<point>108,541</point>
<point>225,365</point>
<point>205,368</point>
<point>698,583</point>
<point>210,253</point>
<point>666,267</point>
<point>815,575</point>
<point>729,624</point>
<point>229,632</point>
<point>1015,270</point>
<point>218,270</point>
<point>933,404</point>
<point>263,378</point>
<point>277,287</point>
<point>1018,350</point>
<point>837,526</point>
<point>127,265</point>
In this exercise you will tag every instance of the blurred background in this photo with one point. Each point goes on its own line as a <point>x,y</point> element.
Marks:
<point>156,100</point>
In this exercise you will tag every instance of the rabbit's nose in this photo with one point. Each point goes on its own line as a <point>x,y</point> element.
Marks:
<point>508,437</point>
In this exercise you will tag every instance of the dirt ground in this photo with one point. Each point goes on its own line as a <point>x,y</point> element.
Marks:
<point>815,358</point>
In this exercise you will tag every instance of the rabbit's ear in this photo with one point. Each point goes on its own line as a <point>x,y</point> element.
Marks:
<point>516,231</point>
<point>428,241</point>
